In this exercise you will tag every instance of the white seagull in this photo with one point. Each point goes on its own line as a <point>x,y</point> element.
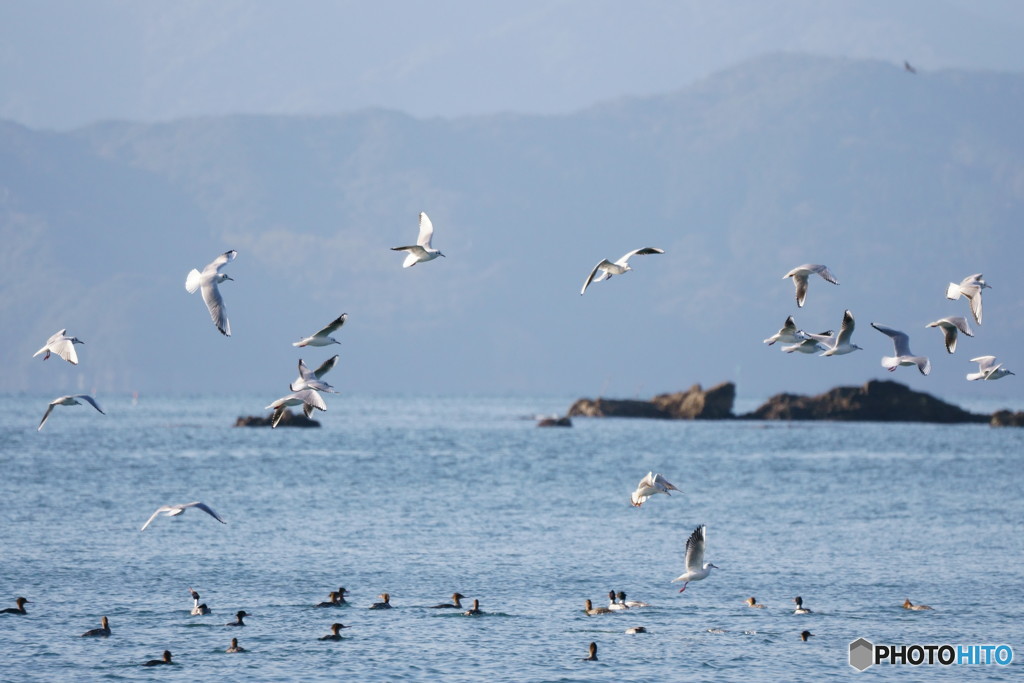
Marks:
<point>839,344</point>
<point>175,510</point>
<point>969,287</point>
<point>208,281</point>
<point>811,343</point>
<point>648,486</point>
<point>901,346</point>
<point>950,325</point>
<point>68,401</point>
<point>308,379</point>
<point>608,268</point>
<point>323,337</point>
<point>62,345</point>
<point>788,334</point>
<point>800,274</point>
<point>988,369</point>
<point>421,251</point>
<point>695,567</point>
<point>307,398</point>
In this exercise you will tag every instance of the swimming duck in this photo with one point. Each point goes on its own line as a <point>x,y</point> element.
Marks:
<point>909,605</point>
<point>591,610</point>
<point>455,603</point>
<point>197,607</point>
<point>334,635</point>
<point>804,635</point>
<point>592,657</point>
<point>636,629</point>
<point>385,604</point>
<point>332,601</point>
<point>235,647</point>
<point>630,603</point>
<point>158,662</point>
<point>613,603</point>
<point>752,602</point>
<point>475,610</point>
<point>20,609</point>
<point>238,618</point>
<point>800,609</point>
<point>101,632</point>
<point>341,596</point>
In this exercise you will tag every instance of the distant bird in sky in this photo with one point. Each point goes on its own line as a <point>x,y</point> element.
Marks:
<point>208,281</point>
<point>309,380</point>
<point>800,275</point>
<point>421,251</point>
<point>988,369</point>
<point>307,398</point>
<point>175,510</point>
<point>969,287</point>
<point>648,486</point>
<point>696,569</point>
<point>323,337</point>
<point>788,334</point>
<point>839,344</point>
<point>950,326</point>
<point>621,266</point>
<point>903,354</point>
<point>68,401</point>
<point>907,67</point>
<point>62,345</point>
<point>811,343</point>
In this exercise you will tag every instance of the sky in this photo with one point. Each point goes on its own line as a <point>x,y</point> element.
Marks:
<point>67,63</point>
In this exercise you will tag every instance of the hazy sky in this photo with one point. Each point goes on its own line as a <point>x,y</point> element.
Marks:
<point>65,63</point>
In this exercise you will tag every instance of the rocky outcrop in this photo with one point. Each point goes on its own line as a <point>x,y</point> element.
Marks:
<point>289,419</point>
<point>877,401</point>
<point>692,404</point>
<point>1006,418</point>
<point>562,421</point>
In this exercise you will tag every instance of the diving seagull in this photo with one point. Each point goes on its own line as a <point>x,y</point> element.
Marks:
<point>988,369</point>
<point>648,486</point>
<point>969,287</point>
<point>421,251</point>
<point>901,346</point>
<point>810,343</point>
<point>323,337</point>
<point>175,510</point>
<point>62,345</point>
<point>800,275</point>
<point>208,281</point>
<point>68,401</point>
<point>839,344</point>
<point>950,326</point>
<point>308,379</point>
<point>307,398</point>
<point>695,567</point>
<point>608,268</point>
<point>788,334</point>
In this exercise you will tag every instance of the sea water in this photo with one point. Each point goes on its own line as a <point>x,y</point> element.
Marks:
<point>421,497</point>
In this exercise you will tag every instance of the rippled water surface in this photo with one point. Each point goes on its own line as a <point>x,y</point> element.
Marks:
<point>422,497</point>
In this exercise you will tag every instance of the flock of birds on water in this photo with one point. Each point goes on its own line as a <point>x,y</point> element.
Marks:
<point>307,390</point>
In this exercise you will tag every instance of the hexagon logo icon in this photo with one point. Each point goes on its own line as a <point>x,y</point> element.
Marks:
<point>862,654</point>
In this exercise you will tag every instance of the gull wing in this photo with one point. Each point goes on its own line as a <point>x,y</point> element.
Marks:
<point>426,231</point>
<point>162,508</point>
<point>985,363</point>
<point>824,272</point>
<point>643,251</point>
<point>91,401</point>
<point>65,349</point>
<point>205,508</point>
<point>590,278</point>
<point>326,366</point>
<point>973,294</point>
<point>695,549</point>
<point>304,372</point>
<point>215,303</point>
<point>56,336</point>
<point>800,282</point>
<point>216,264</point>
<point>275,419</point>
<point>311,398</point>
<point>900,340</point>
<point>846,330</point>
<point>46,415</point>
<point>335,324</point>
<point>663,484</point>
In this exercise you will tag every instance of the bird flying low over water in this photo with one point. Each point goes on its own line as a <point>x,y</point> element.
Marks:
<point>308,379</point>
<point>621,266</point>
<point>839,344</point>
<point>901,346</point>
<point>68,401</point>
<point>696,569</point>
<point>969,287</point>
<point>62,345</point>
<point>648,486</point>
<point>988,369</point>
<point>422,250</point>
<point>307,398</point>
<point>950,326</point>
<point>175,510</point>
<point>207,281</point>
<point>800,275</point>
<point>788,334</point>
<point>323,337</point>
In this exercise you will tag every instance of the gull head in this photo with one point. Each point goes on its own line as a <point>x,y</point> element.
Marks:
<point>711,566</point>
<point>440,254</point>
<point>221,277</point>
<point>76,340</point>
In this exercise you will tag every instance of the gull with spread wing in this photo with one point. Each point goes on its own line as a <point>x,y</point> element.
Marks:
<point>323,337</point>
<point>207,281</point>
<point>800,275</point>
<point>648,486</point>
<point>696,569</point>
<point>68,401</point>
<point>950,326</point>
<point>62,345</point>
<point>421,251</point>
<point>607,268</point>
<point>904,356</point>
<point>969,287</point>
<point>175,510</point>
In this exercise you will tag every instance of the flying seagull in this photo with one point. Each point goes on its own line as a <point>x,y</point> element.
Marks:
<point>811,343</point>
<point>788,334</point>
<point>323,337</point>
<point>62,345</point>
<point>308,379</point>
<point>175,510</point>
<point>950,325</point>
<point>800,275</point>
<point>695,567</point>
<point>208,281</point>
<point>648,486</point>
<point>908,68</point>
<point>838,345</point>
<point>901,346</point>
<point>68,401</point>
<point>608,268</point>
<point>969,287</point>
<point>421,251</point>
<point>307,398</point>
<point>988,369</point>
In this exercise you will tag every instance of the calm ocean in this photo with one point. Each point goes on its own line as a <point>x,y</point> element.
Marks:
<point>424,496</point>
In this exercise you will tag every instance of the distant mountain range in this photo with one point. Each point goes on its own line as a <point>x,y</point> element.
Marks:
<point>900,183</point>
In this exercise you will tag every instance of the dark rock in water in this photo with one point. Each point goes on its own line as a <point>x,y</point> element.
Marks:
<point>692,404</point>
<point>563,421</point>
<point>877,401</point>
<point>1006,418</point>
<point>289,419</point>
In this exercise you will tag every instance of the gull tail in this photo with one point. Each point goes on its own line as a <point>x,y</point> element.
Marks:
<point>953,291</point>
<point>192,281</point>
